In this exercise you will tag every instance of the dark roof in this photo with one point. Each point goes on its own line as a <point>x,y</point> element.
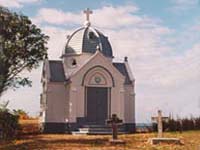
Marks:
<point>106,47</point>
<point>56,71</point>
<point>86,40</point>
<point>122,69</point>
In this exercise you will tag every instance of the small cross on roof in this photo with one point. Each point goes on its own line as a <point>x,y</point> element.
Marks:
<point>87,12</point>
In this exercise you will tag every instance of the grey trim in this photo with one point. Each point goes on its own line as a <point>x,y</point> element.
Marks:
<point>80,121</point>
<point>85,102</point>
<point>67,128</point>
<point>52,127</point>
<point>109,102</point>
<point>83,79</point>
<point>59,128</point>
<point>130,127</point>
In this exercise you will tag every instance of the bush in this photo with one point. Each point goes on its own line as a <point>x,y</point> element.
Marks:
<point>171,125</point>
<point>197,123</point>
<point>9,124</point>
<point>21,113</point>
<point>180,124</point>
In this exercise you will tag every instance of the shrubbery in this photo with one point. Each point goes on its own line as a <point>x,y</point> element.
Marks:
<point>9,123</point>
<point>21,113</point>
<point>180,124</point>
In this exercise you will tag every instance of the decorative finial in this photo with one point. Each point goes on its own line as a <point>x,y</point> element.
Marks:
<point>126,59</point>
<point>87,12</point>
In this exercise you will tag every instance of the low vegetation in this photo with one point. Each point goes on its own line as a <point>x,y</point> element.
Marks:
<point>185,124</point>
<point>9,122</point>
<point>31,139</point>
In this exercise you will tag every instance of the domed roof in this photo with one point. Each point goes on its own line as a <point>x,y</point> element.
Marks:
<point>86,40</point>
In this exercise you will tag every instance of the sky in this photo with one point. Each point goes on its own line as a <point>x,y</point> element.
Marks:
<point>160,37</point>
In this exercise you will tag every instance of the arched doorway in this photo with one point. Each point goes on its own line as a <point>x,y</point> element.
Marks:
<point>98,83</point>
<point>97,105</point>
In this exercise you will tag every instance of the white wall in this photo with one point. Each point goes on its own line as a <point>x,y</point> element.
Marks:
<point>129,102</point>
<point>77,92</point>
<point>57,102</point>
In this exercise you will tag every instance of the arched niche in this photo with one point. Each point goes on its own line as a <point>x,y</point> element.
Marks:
<point>98,76</point>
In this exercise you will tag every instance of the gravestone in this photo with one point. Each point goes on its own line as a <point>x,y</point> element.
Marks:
<point>160,139</point>
<point>159,119</point>
<point>114,121</point>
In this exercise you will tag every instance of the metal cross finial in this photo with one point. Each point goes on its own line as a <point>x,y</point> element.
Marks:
<point>87,12</point>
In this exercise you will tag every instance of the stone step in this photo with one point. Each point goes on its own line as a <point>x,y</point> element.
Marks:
<point>97,130</point>
<point>104,133</point>
<point>96,126</point>
<point>164,140</point>
<point>78,133</point>
<point>95,133</point>
<point>99,126</point>
<point>100,129</point>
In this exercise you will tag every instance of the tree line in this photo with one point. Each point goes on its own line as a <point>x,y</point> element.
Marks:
<point>184,124</point>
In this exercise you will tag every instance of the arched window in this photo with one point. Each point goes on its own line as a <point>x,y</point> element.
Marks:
<point>74,63</point>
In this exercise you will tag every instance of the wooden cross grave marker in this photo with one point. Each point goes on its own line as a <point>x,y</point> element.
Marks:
<point>114,121</point>
<point>159,119</point>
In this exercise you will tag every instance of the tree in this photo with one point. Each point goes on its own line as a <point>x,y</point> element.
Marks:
<point>22,47</point>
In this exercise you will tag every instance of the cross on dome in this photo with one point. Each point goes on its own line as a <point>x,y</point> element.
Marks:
<point>87,12</point>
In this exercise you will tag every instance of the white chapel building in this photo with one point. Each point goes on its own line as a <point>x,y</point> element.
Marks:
<point>85,87</point>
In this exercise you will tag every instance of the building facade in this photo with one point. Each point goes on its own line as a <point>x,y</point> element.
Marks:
<point>86,86</point>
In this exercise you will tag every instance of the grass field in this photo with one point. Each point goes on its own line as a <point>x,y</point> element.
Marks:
<point>31,140</point>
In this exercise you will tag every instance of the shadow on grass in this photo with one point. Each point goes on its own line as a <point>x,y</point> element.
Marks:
<point>36,142</point>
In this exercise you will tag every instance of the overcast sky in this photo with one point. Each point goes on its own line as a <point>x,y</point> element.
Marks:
<point>160,37</point>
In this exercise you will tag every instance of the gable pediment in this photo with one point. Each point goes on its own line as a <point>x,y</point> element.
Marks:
<point>98,76</point>
<point>104,66</point>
